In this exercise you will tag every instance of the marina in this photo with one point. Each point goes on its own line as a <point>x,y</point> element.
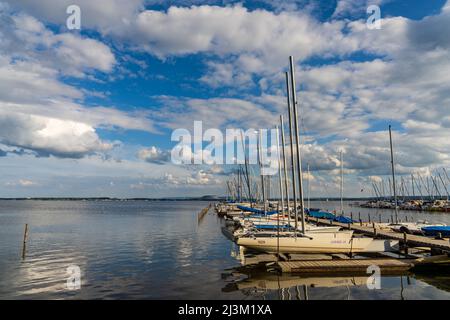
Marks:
<point>282,230</point>
<point>225,150</point>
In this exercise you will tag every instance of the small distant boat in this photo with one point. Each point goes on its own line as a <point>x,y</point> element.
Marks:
<point>435,230</point>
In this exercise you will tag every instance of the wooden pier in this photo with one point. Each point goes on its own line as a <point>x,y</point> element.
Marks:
<point>348,266</point>
<point>410,254</point>
<point>408,239</point>
<point>202,213</point>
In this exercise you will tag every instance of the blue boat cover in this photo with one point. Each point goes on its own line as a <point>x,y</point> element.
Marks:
<point>343,219</point>
<point>270,226</point>
<point>434,230</point>
<point>244,208</point>
<point>321,214</point>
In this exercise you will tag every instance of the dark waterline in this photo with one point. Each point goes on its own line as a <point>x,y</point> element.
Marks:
<point>156,250</point>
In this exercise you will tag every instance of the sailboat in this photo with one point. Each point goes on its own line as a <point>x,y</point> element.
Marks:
<point>305,241</point>
<point>319,242</point>
<point>422,227</point>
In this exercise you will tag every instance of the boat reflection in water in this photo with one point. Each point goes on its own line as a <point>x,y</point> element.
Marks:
<point>259,283</point>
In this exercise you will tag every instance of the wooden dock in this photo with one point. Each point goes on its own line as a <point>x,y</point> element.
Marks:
<point>349,266</point>
<point>411,240</point>
<point>202,213</point>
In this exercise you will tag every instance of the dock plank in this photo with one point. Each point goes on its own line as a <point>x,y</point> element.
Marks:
<point>344,266</point>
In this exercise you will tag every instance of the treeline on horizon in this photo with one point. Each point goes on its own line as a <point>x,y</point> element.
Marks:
<point>203,198</point>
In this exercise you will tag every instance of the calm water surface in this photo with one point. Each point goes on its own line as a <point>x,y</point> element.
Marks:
<point>157,250</point>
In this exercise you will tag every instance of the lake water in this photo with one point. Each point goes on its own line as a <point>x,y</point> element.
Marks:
<point>157,250</point>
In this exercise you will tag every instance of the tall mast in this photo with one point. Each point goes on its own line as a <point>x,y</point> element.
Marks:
<point>445,187</point>
<point>402,187</point>
<point>239,185</point>
<point>419,188</point>
<point>286,182</point>
<point>263,191</point>
<point>425,185</point>
<point>412,185</point>
<point>279,176</point>
<point>438,193</point>
<point>342,182</point>
<point>445,172</point>
<point>297,142</point>
<point>377,192</point>
<point>247,175</point>
<point>390,188</point>
<point>430,191</point>
<point>294,184</point>
<point>393,176</point>
<point>309,188</point>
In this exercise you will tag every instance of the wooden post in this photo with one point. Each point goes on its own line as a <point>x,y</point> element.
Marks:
<point>405,243</point>
<point>406,218</point>
<point>379,217</point>
<point>351,216</point>
<point>369,218</point>
<point>25,238</point>
<point>360,222</point>
<point>439,236</point>
<point>359,216</point>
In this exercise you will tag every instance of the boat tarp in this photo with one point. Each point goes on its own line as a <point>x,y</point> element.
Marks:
<point>271,226</point>
<point>434,230</point>
<point>321,214</point>
<point>343,219</point>
<point>259,211</point>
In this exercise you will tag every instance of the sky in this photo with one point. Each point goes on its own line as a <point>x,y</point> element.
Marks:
<point>91,112</point>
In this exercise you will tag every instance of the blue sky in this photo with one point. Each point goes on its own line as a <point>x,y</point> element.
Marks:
<point>90,112</point>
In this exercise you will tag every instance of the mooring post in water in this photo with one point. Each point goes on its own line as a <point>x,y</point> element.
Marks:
<point>351,216</point>
<point>359,216</point>
<point>25,237</point>
<point>369,218</point>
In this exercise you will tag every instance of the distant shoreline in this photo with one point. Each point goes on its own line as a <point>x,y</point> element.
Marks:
<point>204,198</point>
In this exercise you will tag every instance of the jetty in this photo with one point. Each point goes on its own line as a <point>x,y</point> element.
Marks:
<point>406,239</point>
<point>345,266</point>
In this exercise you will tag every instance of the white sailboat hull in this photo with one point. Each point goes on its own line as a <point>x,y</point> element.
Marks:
<point>336,242</point>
